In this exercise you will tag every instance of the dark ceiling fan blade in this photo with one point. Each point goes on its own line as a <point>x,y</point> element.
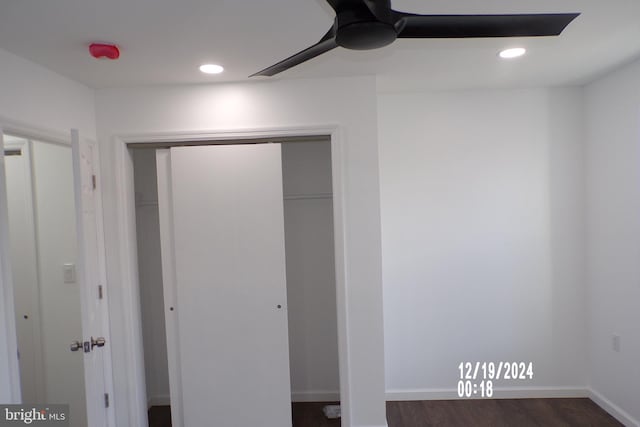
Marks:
<point>463,26</point>
<point>325,44</point>
<point>381,9</point>
<point>342,5</point>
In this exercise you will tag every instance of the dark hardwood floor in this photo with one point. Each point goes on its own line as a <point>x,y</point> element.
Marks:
<point>456,413</point>
<point>160,416</point>
<point>499,413</point>
<point>303,414</point>
<point>310,414</point>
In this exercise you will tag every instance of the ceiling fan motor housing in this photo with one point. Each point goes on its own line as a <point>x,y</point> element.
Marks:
<point>371,24</point>
<point>360,30</point>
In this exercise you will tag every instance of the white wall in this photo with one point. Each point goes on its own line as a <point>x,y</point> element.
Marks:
<point>525,216</point>
<point>311,285</point>
<point>36,98</point>
<point>150,274</point>
<point>40,98</point>
<point>613,183</point>
<point>482,231</point>
<point>349,103</point>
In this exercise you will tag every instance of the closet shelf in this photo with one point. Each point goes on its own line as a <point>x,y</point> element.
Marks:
<point>143,203</point>
<point>310,196</point>
<point>313,196</point>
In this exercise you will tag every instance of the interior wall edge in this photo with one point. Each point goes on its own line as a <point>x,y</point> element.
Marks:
<point>612,104</point>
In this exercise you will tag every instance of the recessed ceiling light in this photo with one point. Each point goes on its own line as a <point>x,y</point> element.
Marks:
<point>211,69</point>
<point>512,53</point>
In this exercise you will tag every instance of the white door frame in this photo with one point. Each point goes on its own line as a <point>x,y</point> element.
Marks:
<point>26,146</point>
<point>8,331</point>
<point>124,195</point>
<point>165,205</point>
<point>95,303</point>
<point>10,368</point>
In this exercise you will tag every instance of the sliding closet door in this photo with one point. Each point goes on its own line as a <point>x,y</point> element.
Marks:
<point>229,282</point>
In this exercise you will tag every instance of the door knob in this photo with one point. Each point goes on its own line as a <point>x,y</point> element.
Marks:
<point>75,346</point>
<point>97,342</point>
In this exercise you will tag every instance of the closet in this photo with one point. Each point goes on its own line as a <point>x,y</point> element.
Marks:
<point>307,305</point>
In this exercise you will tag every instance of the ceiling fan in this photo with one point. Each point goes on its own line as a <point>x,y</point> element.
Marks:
<point>371,24</point>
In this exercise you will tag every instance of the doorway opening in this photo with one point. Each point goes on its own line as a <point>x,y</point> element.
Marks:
<point>43,256</point>
<point>310,279</point>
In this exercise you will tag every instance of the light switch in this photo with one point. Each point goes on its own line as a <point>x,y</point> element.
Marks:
<point>69,273</point>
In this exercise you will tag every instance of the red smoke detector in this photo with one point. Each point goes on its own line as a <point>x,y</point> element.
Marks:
<point>100,50</point>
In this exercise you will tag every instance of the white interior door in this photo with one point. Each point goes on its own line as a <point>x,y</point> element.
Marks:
<point>50,195</point>
<point>92,279</point>
<point>225,290</point>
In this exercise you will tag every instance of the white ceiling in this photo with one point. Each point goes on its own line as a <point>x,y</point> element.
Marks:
<point>164,42</point>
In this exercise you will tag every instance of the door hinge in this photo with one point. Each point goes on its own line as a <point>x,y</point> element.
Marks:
<point>106,400</point>
<point>99,291</point>
<point>93,181</point>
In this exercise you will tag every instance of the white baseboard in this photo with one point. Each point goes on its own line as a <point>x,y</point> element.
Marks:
<point>498,393</point>
<point>613,409</point>
<point>315,396</point>
<point>160,400</point>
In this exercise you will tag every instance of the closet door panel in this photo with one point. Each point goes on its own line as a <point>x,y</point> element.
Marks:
<point>230,285</point>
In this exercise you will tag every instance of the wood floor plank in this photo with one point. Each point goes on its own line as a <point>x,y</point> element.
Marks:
<point>310,414</point>
<point>455,413</point>
<point>499,413</point>
<point>160,416</point>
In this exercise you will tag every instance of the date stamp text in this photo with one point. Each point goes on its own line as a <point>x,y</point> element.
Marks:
<point>477,378</point>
